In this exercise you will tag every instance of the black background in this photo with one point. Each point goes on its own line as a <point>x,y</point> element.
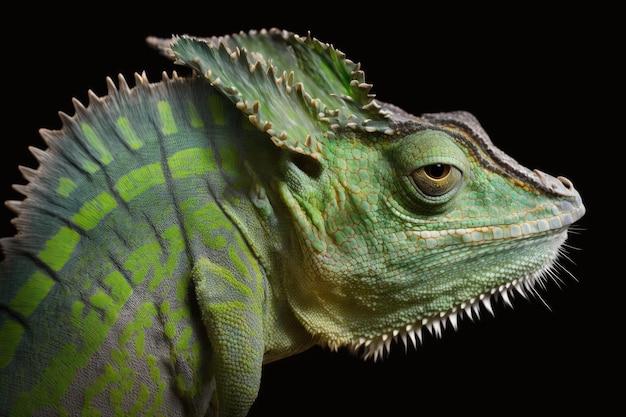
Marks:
<point>543,84</point>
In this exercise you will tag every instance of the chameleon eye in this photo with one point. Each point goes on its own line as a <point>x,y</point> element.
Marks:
<point>436,179</point>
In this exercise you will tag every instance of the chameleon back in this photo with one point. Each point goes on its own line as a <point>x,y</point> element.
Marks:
<point>97,299</point>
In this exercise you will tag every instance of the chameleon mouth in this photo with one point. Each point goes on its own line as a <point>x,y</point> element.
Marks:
<point>527,286</point>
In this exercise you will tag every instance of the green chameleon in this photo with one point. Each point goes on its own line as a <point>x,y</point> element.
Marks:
<point>178,235</point>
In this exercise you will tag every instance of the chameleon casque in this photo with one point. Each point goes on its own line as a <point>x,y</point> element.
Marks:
<point>178,235</point>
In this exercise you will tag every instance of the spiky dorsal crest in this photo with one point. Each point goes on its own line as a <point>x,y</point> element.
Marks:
<point>89,141</point>
<point>297,89</point>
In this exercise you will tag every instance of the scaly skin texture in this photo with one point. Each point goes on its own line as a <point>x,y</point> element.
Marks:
<point>179,234</point>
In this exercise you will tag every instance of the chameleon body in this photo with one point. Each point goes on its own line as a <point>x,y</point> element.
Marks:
<point>178,235</point>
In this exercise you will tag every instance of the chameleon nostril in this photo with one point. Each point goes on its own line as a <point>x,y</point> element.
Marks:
<point>567,183</point>
<point>560,185</point>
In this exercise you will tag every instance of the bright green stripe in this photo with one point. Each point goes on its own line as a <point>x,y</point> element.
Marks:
<point>31,294</point>
<point>227,276</point>
<point>169,125</point>
<point>139,180</point>
<point>10,335</point>
<point>181,289</point>
<point>217,109</point>
<point>136,265</point>
<point>155,375</point>
<point>93,139</point>
<point>101,300</point>
<point>196,161</point>
<point>254,264</point>
<point>64,365</point>
<point>93,211</point>
<point>154,369</point>
<point>129,133</point>
<point>66,186</point>
<point>226,309</point>
<point>183,342</point>
<point>256,278</point>
<point>120,288</point>
<point>140,404</point>
<point>194,116</point>
<point>108,376</point>
<point>238,263</point>
<point>169,329</point>
<point>122,384</point>
<point>140,339</point>
<point>134,331</point>
<point>95,326</point>
<point>59,248</point>
<point>90,166</point>
<point>176,245</point>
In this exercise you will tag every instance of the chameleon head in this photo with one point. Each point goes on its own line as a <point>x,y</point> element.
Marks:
<point>398,221</point>
<point>412,230</point>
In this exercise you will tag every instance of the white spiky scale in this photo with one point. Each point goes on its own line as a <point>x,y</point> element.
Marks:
<point>29,174</point>
<point>13,205</point>
<point>39,154</point>
<point>375,348</point>
<point>20,188</point>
